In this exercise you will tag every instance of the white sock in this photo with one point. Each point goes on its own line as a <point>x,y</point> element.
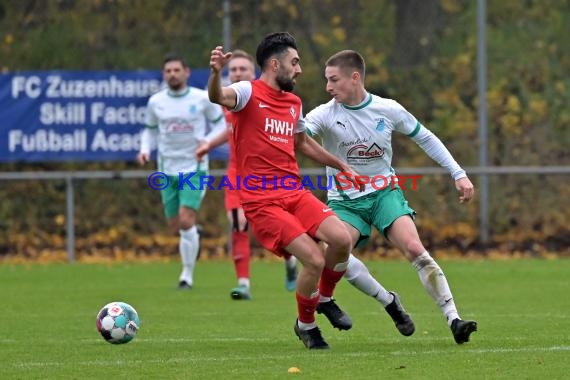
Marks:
<point>189,246</point>
<point>359,276</point>
<point>306,326</point>
<point>243,281</point>
<point>436,285</point>
<point>291,262</point>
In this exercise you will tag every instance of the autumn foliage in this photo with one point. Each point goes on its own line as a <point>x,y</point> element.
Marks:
<point>421,52</point>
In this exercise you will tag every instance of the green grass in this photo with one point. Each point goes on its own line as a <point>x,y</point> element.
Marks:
<point>47,326</point>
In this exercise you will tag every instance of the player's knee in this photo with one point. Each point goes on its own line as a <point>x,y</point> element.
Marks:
<point>414,248</point>
<point>342,241</point>
<point>238,220</point>
<point>242,226</point>
<point>314,263</point>
<point>186,224</point>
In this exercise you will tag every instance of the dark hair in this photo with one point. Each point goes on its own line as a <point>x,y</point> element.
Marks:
<point>174,58</point>
<point>347,60</point>
<point>274,44</point>
<point>238,53</point>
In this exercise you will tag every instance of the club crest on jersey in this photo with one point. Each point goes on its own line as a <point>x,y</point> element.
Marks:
<point>293,112</point>
<point>380,125</point>
<point>192,109</point>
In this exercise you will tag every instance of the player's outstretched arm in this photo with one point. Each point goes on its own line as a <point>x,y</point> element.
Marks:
<point>437,151</point>
<point>225,96</point>
<point>315,152</point>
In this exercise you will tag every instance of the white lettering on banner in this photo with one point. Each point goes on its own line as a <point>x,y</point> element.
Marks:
<point>115,142</point>
<point>30,86</point>
<point>130,114</point>
<point>48,141</point>
<point>57,113</point>
<point>111,87</point>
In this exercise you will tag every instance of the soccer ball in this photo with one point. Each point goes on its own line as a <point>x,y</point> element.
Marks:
<point>118,322</point>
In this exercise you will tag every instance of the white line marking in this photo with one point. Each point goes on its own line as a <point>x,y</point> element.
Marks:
<point>106,363</point>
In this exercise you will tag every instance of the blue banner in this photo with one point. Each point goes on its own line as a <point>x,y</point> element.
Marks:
<point>78,115</point>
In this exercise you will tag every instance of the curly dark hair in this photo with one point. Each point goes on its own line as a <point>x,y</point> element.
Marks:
<point>274,44</point>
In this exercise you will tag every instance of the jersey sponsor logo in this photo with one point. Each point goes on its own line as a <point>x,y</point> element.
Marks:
<point>327,209</point>
<point>263,105</point>
<point>363,153</point>
<point>178,126</point>
<point>346,144</point>
<point>278,139</point>
<point>279,127</point>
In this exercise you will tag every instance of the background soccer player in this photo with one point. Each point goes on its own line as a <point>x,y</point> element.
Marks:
<point>241,66</point>
<point>357,117</point>
<point>176,121</point>
<point>268,129</point>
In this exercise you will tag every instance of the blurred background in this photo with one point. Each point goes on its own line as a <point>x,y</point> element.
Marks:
<point>427,54</point>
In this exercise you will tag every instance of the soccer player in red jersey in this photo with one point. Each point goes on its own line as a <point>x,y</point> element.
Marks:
<point>285,218</point>
<point>241,66</point>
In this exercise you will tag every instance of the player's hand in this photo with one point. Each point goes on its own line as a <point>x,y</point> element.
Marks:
<point>218,59</point>
<point>355,178</point>
<point>203,149</point>
<point>465,188</point>
<point>143,158</point>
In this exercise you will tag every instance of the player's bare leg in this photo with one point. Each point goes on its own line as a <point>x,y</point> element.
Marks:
<point>358,275</point>
<point>189,245</point>
<point>240,254</point>
<point>337,248</point>
<point>404,235</point>
<point>311,256</point>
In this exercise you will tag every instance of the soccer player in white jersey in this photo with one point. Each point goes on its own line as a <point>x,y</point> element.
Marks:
<point>357,127</point>
<point>177,120</point>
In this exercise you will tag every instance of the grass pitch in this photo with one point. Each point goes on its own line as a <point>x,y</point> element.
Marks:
<point>47,327</point>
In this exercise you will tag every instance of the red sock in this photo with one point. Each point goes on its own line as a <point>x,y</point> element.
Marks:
<point>240,253</point>
<point>306,308</point>
<point>329,279</point>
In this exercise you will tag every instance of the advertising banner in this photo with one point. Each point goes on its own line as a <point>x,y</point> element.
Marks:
<point>78,115</point>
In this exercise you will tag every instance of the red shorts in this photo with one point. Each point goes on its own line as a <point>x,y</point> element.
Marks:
<point>275,223</point>
<point>231,197</point>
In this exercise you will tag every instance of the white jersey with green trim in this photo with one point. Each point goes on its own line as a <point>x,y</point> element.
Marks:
<point>362,137</point>
<point>182,121</point>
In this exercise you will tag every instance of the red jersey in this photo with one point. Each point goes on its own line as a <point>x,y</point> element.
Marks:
<point>264,138</point>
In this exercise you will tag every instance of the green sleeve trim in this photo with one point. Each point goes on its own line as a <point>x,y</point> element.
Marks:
<point>416,130</point>
<point>218,119</point>
<point>308,132</point>
<point>151,126</point>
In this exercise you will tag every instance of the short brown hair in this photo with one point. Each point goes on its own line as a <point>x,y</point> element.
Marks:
<point>238,53</point>
<point>348,60</point>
